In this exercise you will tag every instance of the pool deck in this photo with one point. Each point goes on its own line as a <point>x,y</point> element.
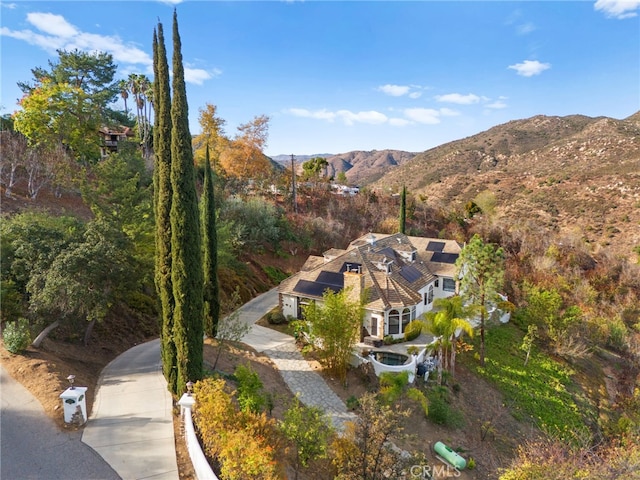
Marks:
<point>422,341</point>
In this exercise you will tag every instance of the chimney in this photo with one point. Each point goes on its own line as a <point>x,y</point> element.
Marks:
<point>354,281</point>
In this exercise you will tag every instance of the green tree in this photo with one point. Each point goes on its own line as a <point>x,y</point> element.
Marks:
<point>68,103</point>
<point>342,177</point>
<point>403,210</point>
<point>142,90</point>
<point>210,252</point>
<point>447,320</point>
<point>162,191</point>
<point>86,279</point>
<point>480,267</point>
<point>314,168</point>
<point>308,429</point>
<point>60,114</point>
<point>251,395</point>
<point>334,326</point>
<point>186,240</point>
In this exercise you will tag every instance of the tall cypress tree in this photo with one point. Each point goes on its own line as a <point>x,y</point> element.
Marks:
<point>162,204</point>
<point>186,253</point>
<point>210,252</point>
<point>403,209</point>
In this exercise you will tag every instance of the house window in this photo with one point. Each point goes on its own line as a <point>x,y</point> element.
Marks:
<point>374,326</point>
<point>437,283</point>
<point>448,285</point>
<point>428,297</point>
<point>394,322</point>
<point>302,302</point>
<point>406,317</point>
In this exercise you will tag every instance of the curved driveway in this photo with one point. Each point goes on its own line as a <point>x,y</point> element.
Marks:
<point>131,424</point>
<point>33,447</point>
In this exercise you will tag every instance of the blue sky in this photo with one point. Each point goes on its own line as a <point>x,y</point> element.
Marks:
<point>338,76</point>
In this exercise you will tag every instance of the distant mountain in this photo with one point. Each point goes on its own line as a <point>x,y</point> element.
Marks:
<point>362,167</point>
<point>299,159</point>
<point>576,174</point>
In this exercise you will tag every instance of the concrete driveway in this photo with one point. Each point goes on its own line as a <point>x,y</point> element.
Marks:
<point>33,447</point>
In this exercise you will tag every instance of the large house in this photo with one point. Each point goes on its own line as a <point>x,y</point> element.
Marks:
<point>402,276</point>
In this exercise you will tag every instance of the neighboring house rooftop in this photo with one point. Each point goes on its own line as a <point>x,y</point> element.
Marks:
<point>394,268</point>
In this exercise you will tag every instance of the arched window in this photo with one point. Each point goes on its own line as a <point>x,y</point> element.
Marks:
<point>394,322</point>
<point>406,317</point>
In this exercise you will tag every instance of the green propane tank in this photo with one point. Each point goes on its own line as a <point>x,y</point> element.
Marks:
<point>450,456</point>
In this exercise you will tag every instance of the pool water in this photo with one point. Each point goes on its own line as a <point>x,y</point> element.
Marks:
<point>390,358</point>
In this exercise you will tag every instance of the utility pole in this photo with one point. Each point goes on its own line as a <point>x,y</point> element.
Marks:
<point>293,184</point>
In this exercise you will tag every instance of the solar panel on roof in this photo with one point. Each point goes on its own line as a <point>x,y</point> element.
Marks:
<point>444,257</point>
<point>313,289</point>
<point>331,278</point>
<point>435,246</point>
<point>410,273</point>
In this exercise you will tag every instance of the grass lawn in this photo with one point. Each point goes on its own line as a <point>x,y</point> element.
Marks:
<point>544,390</point>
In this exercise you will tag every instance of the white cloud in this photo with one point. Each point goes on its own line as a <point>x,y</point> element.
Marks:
<point>196,75</point>
<point>370,117</point>
<point>619,9</point>
<point>497,105</point>
<point>458,98</point>
<point>394,90</point>
<point>529,68</point>
<point>10,6</point>
<point>399,122</point>
<point>525,28</point>
<point>52,24</point>
<point>415,95</point>
<point>427,116</point>
<point>447,112</point>
<point>53,32</point>
<point>318,114</point>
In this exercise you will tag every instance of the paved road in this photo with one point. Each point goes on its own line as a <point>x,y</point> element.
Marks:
<point>131,425</point>
<point>33,447</point>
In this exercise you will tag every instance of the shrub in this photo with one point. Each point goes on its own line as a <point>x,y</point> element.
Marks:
<point>413,330</point>
<point>16,335</point>
<point>251,398</point>
<point>440,411</point>
<point>276,318</point>
<point>419,397</point>
<point>275,274</point>
<point>352,402</point>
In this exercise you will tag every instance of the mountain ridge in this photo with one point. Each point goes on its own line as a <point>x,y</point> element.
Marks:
<point>575,174</point>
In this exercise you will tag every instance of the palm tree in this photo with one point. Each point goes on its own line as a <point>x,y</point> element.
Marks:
<point>123,85</point>
<point>448,322</point>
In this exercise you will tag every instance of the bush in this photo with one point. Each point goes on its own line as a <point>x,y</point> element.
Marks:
<point>440,411</point>
<point>275,274</point>
<point>413,330</point>
<point>250,394</point>
<point>16,335</point>
<point>276,318</point>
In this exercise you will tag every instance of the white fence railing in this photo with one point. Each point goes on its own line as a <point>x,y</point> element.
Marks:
<point>198,460</point>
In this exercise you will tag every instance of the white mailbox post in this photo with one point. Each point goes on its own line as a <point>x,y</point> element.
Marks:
<point>74,403</point>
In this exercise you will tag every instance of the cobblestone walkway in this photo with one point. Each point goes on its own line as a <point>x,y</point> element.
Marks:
<point>295,370</point>
<point>308,384</point>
